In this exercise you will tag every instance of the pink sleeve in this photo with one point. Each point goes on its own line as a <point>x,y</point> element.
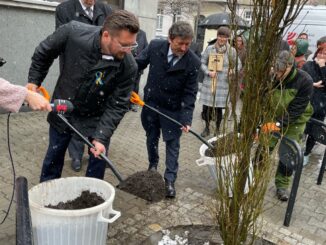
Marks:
<point>11,96</point>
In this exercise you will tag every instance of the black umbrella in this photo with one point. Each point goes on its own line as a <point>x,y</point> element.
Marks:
<point>214,21</point>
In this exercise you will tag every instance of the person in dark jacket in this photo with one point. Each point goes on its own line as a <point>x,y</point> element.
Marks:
<point>97,77</point>
<point>79,10</point>
<point>142,44</point>
<point>171,88</point>
<point>90,12</point>
<point>317,70</point>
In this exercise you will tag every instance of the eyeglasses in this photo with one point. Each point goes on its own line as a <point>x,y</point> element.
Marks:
<point>128,47</point>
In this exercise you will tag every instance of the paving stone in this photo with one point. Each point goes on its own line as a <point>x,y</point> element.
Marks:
<point>195,187</point>
<point>290,240</point>
<point>308,241</point>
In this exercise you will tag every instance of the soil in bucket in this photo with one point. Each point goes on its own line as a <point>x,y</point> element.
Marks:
<point>223,146</point>
<point>148,185</point>
<point>87,199</point>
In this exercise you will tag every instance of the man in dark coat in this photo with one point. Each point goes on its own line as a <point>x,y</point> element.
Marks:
<point>97,77</point>
<point>171,88</point>
<point>88,12</point>
<point>142,44</point>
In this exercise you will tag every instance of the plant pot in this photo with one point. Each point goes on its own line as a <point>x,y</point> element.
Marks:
<point>225,162</point>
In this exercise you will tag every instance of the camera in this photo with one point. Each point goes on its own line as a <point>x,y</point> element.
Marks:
<point>2,62</point>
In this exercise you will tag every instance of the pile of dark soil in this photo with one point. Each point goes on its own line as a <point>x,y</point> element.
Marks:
<point>148,185</point>
<point>196,235</point>
<point>85,200</point>
<point>224,146</point>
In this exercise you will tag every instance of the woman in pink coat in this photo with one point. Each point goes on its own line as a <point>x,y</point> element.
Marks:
<point>12,97</point>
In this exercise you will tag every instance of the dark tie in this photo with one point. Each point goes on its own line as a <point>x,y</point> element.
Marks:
<point>172,60</point>
<point>89,12</point>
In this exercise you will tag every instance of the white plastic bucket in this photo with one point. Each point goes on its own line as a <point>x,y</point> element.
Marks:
<point>210,162</point>
<point>71,227</point>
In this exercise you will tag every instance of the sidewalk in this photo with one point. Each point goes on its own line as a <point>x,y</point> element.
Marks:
<point>195,188</point>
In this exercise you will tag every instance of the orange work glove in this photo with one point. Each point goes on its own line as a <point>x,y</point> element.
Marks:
<point>270,127</point>
<point>135,99</point>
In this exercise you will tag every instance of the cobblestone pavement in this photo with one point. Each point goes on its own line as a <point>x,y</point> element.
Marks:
<point>195,188</point>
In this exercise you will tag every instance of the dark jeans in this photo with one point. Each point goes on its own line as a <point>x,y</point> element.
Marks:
<point>172,153</point>
<point>54,158</point>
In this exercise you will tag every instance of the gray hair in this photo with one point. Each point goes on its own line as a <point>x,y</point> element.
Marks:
<point>283,60</point>
<point>181,29</point>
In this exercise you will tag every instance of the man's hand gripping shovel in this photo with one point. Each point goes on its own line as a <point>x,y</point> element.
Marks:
<point>136,100</point>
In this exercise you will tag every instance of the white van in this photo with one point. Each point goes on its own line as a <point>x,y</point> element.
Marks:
<point>311,20</point>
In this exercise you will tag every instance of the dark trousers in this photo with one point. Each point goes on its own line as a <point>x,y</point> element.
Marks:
<point>172,153</point>
<point>310,143</point>
<point>76,149</point>
<point>210,113</point>
<point>54,158</point>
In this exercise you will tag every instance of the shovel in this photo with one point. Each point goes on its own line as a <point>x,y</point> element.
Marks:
<point>108,161</point>
<point>136,100</point>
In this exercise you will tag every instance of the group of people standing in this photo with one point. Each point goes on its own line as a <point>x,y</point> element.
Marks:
<point>102,54</point>
<point>299,90</point>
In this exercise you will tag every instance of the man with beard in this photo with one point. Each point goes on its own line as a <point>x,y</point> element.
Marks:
<point>97,77</point>
<point>171,88</point>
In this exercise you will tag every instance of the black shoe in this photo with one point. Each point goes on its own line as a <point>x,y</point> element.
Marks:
<point>169,190</point>
<point>205,133</point>
<point>76,165</point>
<point>282,194</point>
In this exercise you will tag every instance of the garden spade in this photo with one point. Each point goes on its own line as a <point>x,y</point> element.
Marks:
<point>69,109</point>
<point>136,100</point>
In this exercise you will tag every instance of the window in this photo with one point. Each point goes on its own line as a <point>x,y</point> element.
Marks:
<point>159,19</point>
<point>179,18</point>
<point>247,15</point>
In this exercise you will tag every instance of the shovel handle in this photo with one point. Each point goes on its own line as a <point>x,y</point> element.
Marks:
<point>178,123</point>
<point>111,166</point>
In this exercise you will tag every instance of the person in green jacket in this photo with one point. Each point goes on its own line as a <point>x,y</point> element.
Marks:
<point>291,97</point>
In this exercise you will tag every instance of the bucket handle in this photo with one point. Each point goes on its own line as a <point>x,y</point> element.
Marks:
<point>201,162</point>
<point>101,218</point>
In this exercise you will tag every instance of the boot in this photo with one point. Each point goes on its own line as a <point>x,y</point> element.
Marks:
<point>205,132</point>
<point>169,189</point>
<point>282,194</point>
